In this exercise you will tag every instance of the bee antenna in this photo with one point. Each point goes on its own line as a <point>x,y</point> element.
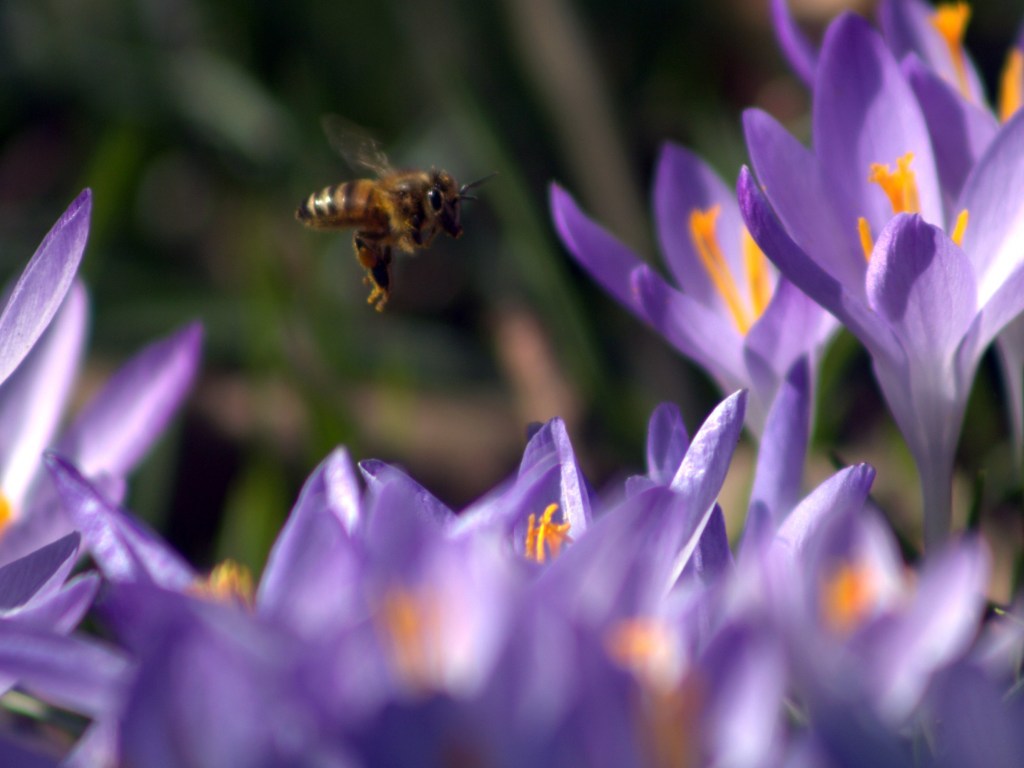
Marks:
<point>473,184</point>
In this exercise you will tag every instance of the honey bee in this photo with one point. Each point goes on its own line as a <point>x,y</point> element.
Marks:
<point>397,209</point>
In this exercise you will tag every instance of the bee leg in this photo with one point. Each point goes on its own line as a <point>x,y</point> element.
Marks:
<point>376,260</point>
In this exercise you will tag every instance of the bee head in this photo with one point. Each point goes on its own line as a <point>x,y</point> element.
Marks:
<point>442,202</point>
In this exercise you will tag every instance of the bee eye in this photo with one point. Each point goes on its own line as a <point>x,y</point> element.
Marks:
<point>434,196</point>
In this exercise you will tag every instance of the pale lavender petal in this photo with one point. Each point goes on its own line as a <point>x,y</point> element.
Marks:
<point>865,112</point>
<point>683,182</point>
<point>41,289</point>
<point>807,275</point>
<point>908,29</point>
<point>817,215</point>
<point>119,425</point>
<point>607,260</point>
<point>310,574</point>
<point>709,339</point>
<point>344,496</point>
<point>63,610</point>
<point>40,573</point>
<point>417,500</point>
<point>568,488</point>
<point>922,283</point>
<point>994,198</point>
<point>122,547</point>
<point>667,441</point>
<point>961,130</point>
<point>842,494</point>
<point>32,400</point>
<point>797,49</point>
<point>783,447</point>
<point>938,626</point>
<point>82,676</point>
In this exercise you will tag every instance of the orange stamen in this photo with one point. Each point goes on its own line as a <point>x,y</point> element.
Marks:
<point>960,228</point>
<point>228,581</point>
<point>545,536</point>
<point>867,243</point>
<point>950,21</point>
<point>1011,84</point>
<point>899,185</point>
<point>705,240</point>
<point>847,597</point>
<point>756,264</point>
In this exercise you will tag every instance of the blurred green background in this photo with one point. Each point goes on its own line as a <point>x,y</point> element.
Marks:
<point>197,123</point>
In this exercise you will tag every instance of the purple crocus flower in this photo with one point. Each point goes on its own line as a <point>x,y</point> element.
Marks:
<point>867,243</point>
<point>731,314</point>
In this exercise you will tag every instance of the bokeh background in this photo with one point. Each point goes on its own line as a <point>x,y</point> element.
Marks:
<point>197,123</point>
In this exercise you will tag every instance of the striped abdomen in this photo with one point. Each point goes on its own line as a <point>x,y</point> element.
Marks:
<point>350,204</point>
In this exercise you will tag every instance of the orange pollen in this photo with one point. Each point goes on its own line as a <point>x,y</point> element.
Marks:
<point>960,228</point>
<point>703,225</point>
<point>411,628</point>
<point>228,581</point>
<point>950,21</point>
<point>899,185</point>
<point>639,645</point>
<point>847,596</point>
<point>1011,84</point>
<point>545,536</point>
<point>867,243</point>
<point>6,512</point>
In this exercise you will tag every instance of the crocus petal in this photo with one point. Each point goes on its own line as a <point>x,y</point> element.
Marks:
<point>683,182</point>
<point>569,489</point>
<point>82,676</point>
<point>864,113</point>
<point>923,284</point>
<point>1010,348</point>
<point>115,430</point>
<point>807,275</point>
<point>807,209</point>
<point>667,442</point>
<point>908,28</point>
<point>994,197</point>
<point>309,577</point>
<point>418,500</point>
<point>842,494</point>
<point>32,400</point>
<point>783,447</point>
<point>123,548</point>
<point>39,573</point>
<point>712,558</point>
<point>41,289</point>
<point>706,337</point>
<point>607,260</point>
<point>63,610</point>
<point>960,130</point>
<point>797,49</point>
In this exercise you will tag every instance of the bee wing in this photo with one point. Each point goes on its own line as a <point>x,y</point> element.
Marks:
<point>356,145</point>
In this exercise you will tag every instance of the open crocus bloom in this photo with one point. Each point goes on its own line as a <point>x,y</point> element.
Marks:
<point>860,225</point>
<point>728,311</point>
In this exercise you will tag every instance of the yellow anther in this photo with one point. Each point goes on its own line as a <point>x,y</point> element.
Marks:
<point>950,21</point>
<point>867,243</point>
<point>847,597</point>
<point>759,279</point>
<point>6,512</point>
<point>705,239</point>
<point>545,536</point>
<point>899,185</point>
<point>228,581</point>
<point>960,228</point>
<point>1011,84</point>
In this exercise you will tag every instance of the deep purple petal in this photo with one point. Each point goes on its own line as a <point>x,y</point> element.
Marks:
<point>39,573</point>
<point>712,558</point>
<point>783,448</point>
<point>797,49</point>
<point>865,112</point>
<point>994,198</point>
<point>922,283</point>
<point>908,28</point>
<point>43,285</point>
<point>607,260</point>
<point>33,399</point>
<point>119,425</point>
<point>123,548</point>
<point>815,214</point>
<point>63,610</point>
<point>667,442</point>
<point>683,182</point>
<point>960,130</point>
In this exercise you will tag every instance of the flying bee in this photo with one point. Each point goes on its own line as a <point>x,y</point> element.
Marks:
<point>397,209</point>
